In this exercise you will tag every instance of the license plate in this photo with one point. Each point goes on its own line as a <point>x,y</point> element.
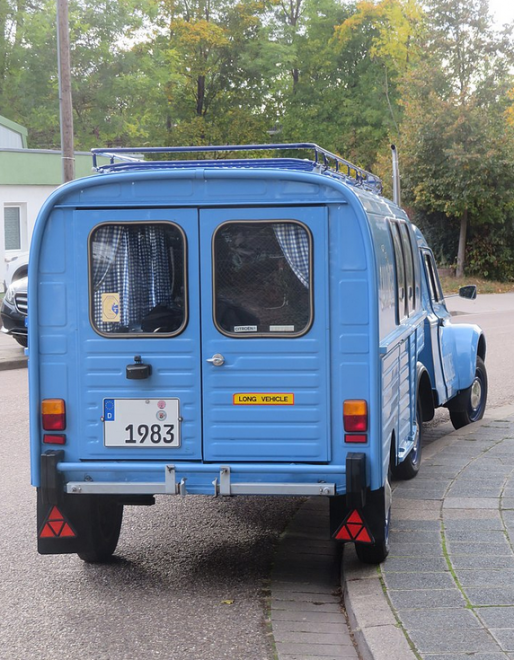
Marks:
<point>141,423</point>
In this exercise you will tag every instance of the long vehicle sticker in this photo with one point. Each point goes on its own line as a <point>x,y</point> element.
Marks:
<point>263,399</point>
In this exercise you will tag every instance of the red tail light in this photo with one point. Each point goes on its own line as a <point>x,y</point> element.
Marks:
<point>53,414</point>
<point>355,416</point>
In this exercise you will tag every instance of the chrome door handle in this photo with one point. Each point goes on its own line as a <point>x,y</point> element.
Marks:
<point>217,360</point>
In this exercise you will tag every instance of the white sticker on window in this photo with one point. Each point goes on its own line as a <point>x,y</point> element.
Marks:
<point>245,328</point>
<point>281,328</point>
<point>110,307</point>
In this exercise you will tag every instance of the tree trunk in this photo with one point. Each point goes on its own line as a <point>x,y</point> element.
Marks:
<point>200,96</point>
<point>462,243</point>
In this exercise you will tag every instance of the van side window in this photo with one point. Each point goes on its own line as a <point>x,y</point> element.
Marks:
<point>137,279</point>
<point>401,283</point>
<point>434,284</point>
<point>409,268</point>
<point>262,278</point>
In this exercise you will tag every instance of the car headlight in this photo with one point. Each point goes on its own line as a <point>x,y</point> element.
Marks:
<point>9,295</point>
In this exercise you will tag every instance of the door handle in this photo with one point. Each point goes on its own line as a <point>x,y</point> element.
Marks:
<point>217,360</point>
<point>138,370</point>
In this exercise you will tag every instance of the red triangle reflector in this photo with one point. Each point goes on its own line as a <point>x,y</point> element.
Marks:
<point>354,517</point>
<point>363,537</point>
<point>56,526</point>
<point>343,534</point>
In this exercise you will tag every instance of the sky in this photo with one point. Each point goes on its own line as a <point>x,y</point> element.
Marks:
<point>503,10</point>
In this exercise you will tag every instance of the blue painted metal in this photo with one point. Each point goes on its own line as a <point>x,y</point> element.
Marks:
<point>356,348</point>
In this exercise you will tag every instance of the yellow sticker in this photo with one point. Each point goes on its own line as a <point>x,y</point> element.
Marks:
<point>263,399</point>
<point>110,307</point>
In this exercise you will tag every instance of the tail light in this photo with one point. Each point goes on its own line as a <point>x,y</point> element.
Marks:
<point>355,416</point>
<point>53,414</point>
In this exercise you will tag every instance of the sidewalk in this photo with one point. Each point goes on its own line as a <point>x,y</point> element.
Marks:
<point>12,355</point>
<point>446,591</point>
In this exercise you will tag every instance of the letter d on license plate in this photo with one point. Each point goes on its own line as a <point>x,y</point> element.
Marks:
<point>141,423</point>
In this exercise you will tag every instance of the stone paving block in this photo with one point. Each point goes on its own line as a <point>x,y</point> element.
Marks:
<point>482,562</point>
<point>429,598</point>
<point>494,596</point>
<point>385,643</point>
<point>406,525</point>
<point>463,490</point>
<point>494,524</point>
<point>492,578</point>
<point>468,641</point>
<point>321,650</point>
<point>317,638</point>
<point>507,503</point>
<point>439,619</point>
<point>431,494</point>
<point>480,549</point>
<point>414,564</point>
<point>302,616</point>
<point>414,514</point>
<point>471,514</point>
<point>413,581</point>
<point>299,596</point>
<point>465,656</point>
<point>305,606</point>
<point>474,536</point>
<point>470,503</point>
<point>309,626</point>
<point>416,550</point>
<point>415,535</point>
<point>405,503</point>
<point>303,587</point>
<point>504,637</point>
<point>497,617</point>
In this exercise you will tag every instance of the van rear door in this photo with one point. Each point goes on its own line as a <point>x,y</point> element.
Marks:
<point>137,273</point>
<point>265,355</point>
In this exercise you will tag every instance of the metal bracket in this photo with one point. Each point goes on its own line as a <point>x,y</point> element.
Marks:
<point>182,487</point>
<point>225,480</point>
<point>170,481</point>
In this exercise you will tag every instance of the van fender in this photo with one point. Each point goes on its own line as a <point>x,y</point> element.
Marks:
<point>468,341</point>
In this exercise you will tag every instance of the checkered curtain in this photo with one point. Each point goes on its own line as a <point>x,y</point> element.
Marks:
<point>294,243</point>
<point>134,263</point>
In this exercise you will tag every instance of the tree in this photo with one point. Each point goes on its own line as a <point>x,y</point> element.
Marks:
<point>457,148</point>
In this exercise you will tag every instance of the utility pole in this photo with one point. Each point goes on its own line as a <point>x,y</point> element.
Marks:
<point>65,103</point>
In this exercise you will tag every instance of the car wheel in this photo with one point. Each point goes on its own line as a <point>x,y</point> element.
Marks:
<point>378,551</point>
<point>469,405</point>
<point>105,516</point>
<point>22,341</point>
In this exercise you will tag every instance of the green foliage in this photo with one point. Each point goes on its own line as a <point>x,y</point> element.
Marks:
<point>490,253</point>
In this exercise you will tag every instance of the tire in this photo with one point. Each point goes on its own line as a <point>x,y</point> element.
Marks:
<point>22,341</point>
<point>409,467</point>
<point>469,405</point>
<point>105,516</point>
<point>376,553</point>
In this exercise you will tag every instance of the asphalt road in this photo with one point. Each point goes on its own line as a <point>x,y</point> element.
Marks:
<point>192,578</point>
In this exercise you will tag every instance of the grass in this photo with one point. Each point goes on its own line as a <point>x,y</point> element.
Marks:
<point>451,284</point>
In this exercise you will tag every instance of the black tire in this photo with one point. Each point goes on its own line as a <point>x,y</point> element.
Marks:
<point>469,405</point>
<point>105,516</point>
<point>409,467</point>
<point>376,553</point>
<point>22,341</point>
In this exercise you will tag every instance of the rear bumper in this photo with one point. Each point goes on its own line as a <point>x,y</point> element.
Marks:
<point>157,478</point>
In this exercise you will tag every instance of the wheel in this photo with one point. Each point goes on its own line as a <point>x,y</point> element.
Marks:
<point>105,516</point>
<point>22,341</point>
<point>376,553</point>
<point>469,405</point>
<point>409,467</point>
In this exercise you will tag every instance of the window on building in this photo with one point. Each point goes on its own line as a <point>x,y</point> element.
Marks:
<point>12,228</point>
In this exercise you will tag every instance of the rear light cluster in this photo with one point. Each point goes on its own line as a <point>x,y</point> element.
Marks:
<point>355,418</point>
<point>53,416</point>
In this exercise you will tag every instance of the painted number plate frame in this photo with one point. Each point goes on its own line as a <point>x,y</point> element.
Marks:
<point>143,423</point>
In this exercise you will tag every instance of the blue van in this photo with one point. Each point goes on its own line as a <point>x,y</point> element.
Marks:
<point>234,326</point>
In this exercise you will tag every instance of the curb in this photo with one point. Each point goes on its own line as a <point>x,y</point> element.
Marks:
<point>378,633</point>
<point>18,363</point>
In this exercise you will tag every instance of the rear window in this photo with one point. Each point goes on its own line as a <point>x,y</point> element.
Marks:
<point>262,278</point>
<point>137,279</point>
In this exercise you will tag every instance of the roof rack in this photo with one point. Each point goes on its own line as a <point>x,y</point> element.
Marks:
<point>323,161</point>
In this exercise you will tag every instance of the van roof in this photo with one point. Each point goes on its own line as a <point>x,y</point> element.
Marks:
<point>323,162</point>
